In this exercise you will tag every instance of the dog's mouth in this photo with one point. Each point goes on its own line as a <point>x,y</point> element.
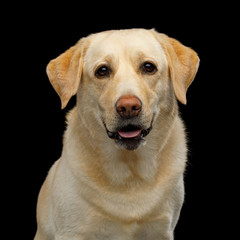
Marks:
<point>129,136</point>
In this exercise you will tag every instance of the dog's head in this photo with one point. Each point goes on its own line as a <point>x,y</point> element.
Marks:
<point>124,79</point>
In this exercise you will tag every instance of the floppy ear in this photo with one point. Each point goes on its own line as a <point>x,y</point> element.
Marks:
<point>183,64</point>
<point>64,72</point>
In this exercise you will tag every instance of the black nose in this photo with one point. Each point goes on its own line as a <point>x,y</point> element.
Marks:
<point>128,106</point>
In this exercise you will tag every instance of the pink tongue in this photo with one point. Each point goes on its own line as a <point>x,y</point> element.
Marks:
<point>130,134</point>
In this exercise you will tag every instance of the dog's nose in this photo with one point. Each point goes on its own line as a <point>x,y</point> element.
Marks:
<point>128,106</point>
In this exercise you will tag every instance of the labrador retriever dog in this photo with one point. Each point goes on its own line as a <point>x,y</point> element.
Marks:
<point>120,175</point>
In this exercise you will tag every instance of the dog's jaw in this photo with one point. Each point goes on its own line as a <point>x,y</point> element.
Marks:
<point>129,137</point>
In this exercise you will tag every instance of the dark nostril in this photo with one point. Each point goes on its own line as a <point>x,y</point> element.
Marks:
<point>136,108</point>
<point>121,109</point>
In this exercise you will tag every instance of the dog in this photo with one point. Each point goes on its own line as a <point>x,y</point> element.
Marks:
<point>120,175</point>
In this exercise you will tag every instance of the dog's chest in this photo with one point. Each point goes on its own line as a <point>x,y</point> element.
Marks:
<point>109,229</point>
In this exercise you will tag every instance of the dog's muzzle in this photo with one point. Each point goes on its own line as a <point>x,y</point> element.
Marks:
<point>129,133</point>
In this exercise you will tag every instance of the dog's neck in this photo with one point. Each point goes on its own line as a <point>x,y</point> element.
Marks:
<point>106,163</point>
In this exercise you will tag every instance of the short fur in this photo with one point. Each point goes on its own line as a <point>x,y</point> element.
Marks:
<point>98,189</point>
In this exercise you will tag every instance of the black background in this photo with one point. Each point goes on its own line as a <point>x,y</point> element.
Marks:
<point>34,138</point>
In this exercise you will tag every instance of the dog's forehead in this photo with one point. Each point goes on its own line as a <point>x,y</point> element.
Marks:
<point>123,41</point>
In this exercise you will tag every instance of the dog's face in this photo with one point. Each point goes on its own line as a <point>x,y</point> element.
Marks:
<point>125,80</point>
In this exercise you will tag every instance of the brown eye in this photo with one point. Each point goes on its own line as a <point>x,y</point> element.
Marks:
<point>102,72</point>
<point>148,67</point>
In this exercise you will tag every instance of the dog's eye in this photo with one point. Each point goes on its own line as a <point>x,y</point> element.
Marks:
<point>102,72</point>
<point>148,67</point>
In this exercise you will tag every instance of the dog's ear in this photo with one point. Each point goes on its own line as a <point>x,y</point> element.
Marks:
<point>183,64</point>
<point>64,72</point>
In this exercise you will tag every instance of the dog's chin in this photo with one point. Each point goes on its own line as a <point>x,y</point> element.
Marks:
<point>130,144</point>
<point>129,137</point>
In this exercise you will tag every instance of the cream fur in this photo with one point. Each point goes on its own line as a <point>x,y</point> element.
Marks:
<point>97,190</point>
